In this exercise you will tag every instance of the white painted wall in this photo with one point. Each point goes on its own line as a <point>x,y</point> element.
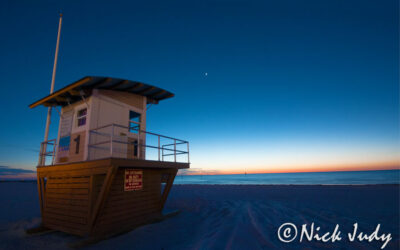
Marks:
<point>68,126</point>
<point>104,109</point>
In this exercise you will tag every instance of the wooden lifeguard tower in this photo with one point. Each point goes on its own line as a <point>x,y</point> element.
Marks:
<point>105,174</point>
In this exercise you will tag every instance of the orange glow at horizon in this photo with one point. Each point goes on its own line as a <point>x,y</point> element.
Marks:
<point>299,169</point>
<point>313,155</point>
<point>22,176</point>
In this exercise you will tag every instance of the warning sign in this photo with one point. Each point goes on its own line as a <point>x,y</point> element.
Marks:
<point>133,180</point>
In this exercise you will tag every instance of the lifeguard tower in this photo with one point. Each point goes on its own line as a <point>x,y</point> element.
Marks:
<point>105,174</point>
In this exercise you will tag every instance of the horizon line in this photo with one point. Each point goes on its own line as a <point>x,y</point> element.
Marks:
<point>284,172</point>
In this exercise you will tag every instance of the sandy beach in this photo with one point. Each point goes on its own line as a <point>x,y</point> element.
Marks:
<point>226,217</point>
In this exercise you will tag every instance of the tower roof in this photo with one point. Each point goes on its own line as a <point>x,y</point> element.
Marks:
<point>84,87</point>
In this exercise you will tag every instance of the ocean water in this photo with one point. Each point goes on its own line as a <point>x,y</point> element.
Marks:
<point>348,177</point>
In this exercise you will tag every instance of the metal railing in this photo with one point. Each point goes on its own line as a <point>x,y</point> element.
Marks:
<point>44,152</point>
<point>120,141</point>
<point>117,141</point>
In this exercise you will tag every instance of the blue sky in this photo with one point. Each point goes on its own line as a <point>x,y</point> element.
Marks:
<point>290,84</point>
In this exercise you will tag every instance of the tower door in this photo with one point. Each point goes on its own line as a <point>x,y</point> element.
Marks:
<point>133,148</point>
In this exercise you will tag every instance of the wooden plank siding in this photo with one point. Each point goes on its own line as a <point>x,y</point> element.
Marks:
<point>88,198</point>
<point>67,202</point>
<point>128,207</point>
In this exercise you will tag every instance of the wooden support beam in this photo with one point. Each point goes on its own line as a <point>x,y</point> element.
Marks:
<point>158,94</point>
<point>168,186</point>
<point>40,192</point>
<point>137,86</point>
<point>145,91</point>
<point>61,99</point>
<point>105,189</point>
<point>72,86</point>
<point>53,104</point>
<point>123,82</point>
<point>168,96</point>
<point>74,92</point>
<point>43,187</point>
<point>101,82</point>
<point>151,100</point>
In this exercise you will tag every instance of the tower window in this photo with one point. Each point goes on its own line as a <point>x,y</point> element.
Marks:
<point>134,122</point>
<point>81,117</point>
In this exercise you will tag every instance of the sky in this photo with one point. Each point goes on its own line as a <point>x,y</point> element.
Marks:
<point>260,86</point>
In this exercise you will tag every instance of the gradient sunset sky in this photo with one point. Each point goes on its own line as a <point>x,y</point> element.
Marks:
<point>290,85</point>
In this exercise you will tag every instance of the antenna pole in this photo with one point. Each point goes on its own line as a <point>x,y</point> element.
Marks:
<point>42,157</point>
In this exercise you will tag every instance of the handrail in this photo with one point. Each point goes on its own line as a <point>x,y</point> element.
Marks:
<point>139,145</point>
<point>43,155</point>
<point>144,131</point>
<point>166,145</point>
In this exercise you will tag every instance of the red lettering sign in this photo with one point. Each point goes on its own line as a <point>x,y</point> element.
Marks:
<point>133,180</point>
